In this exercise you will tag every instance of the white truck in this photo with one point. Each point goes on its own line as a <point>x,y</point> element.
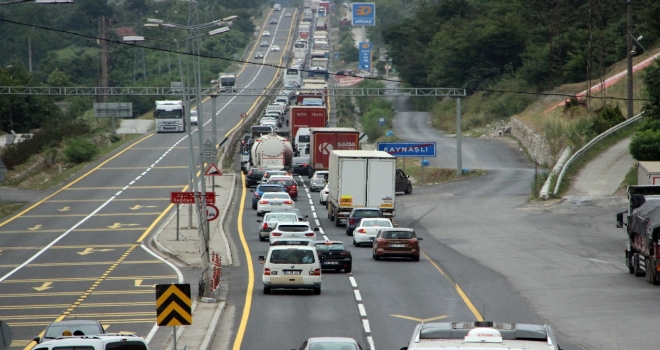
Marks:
<point>301,141</point>
<point>169,116</point>
<point>360,179</point>
<point>227,83</point>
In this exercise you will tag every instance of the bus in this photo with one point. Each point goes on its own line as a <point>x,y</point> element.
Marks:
<point>293,76</point>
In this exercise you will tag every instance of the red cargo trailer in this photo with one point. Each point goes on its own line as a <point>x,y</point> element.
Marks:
<point>324,140</point>
<point>307,117</point>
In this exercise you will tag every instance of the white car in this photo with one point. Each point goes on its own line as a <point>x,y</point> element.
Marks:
<point>317,181</point>
<point>367,229</point>
<point>275,48</point>
<point>272,200</point>
<point>270,173</point>
<point>270,222</point>
<point>288,14</point>
<point>290,267</point>
<point>323,195</point>
<point>266,33</point>
<point>193,117</point>
<point>268,120</point>
<point>299,229</point>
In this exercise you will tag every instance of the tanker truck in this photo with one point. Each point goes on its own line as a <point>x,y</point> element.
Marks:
<point>271,151</point>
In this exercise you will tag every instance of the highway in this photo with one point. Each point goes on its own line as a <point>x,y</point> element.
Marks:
<point>80,252</point>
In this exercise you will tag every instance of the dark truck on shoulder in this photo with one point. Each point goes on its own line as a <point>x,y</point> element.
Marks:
<point>642,222</point>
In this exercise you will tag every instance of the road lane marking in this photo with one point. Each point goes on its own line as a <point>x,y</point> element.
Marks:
<point>458,288</point>
<point>353,282</point>
<point>420,320</point>
<point>69,247</point>
<point>88,251</point>
<point>248,256</point>
<point>370,340</point>
<point>365,325</point>
<point>122,188</point>
<point>362,310</point>
<point>358,296</point>
<point>76,230</point>
<point>43,287</point>
<point>103,200</point>
<point>87,305</point>
<point>84,263</point>
<point>64,209</point>
<point>83,279</point>
<point>162,167</point>
<point>82,215</point>
<point>66,294</point>
<point>36,227</point>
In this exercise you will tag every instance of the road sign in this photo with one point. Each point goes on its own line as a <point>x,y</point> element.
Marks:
<point>364,14</point>
<point>337,56</point>
<point>209,152</point>
<point>381,121</point>
<point>212,212</point>
<point>213,171</point>
<point>243,115</point>
<point>189,197</point>
<point>364,56</point>
<point>173,305</point>
<point>408,149</point>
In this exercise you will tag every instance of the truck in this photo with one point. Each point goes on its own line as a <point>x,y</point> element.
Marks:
<point>301,142</point>
<point>320,62</point>
<point>271,151</point>
<point>307,117</point>
<point>307,4</point>
<point>325,4</point>
<point>360,179</point>
<point>301,95</point>
<point>169,116</point>
<point>315,5</point>
<point>642,225</point>
<point>322,141</point>
<point>227,82</point>
<point>321,24</point>
<point>303,31</point>
<point>648,173</point>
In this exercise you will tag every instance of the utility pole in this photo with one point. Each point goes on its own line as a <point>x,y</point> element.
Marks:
<point>629,41</point>
<point>30,54</point>
<point>104,57</point>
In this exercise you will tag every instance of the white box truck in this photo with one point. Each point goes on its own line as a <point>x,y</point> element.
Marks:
<point>648,173</point>
<point>360,179</point>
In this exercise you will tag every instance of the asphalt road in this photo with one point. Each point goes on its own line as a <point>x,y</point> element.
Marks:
<point>80,253</point>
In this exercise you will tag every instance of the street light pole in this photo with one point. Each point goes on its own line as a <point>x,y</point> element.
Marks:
<point>459,152</point>
<point>629,42</point>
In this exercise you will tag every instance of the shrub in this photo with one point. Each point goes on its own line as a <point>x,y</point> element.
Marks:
<point>79,150</point>
<point>645,145</point>
<point>114,138</point>
<point>607,118</point>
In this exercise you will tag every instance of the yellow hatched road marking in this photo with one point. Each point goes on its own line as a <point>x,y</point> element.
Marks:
<point>86,305</point>
<point>112,321</point>
<point>120,188</point>
<point>77,215</point>
<point>92,315</point>
<point>104,200</point>
<point>84,263</point>
<point>79,279</point>
<point>60,294</point>
<point>70,247</point>
<point>77,230</point>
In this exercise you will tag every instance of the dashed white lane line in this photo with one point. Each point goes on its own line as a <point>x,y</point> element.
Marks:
<point>370,340</point>
<point>362,310</point>
<point>365,324</point>
<point>353,283</point>
<point>358,296</point>
<point>315,217</point>
<point>311,202</point>
<point>318,223</point>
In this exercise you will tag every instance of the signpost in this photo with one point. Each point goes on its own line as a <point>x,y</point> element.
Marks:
<point>212,171</point>
<point>209,152</point>
<point>173,306</point>
<point>212,212</point>
<point>113,110</point>
<point>365,56</point>
<point>408,149</point>
<point>364,14</point>
<point>188,198</point>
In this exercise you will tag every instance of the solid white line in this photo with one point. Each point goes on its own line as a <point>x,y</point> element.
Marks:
<point>370,340</point>
<point>358,297</point>
<point>365,324</point>
<point>31,259</point>
<point>176,269</point>
<point>353,283</point>
<point>362,310</point>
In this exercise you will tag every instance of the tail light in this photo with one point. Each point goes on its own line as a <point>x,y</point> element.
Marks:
<point>266,272</point>
<point>343,253</point>
<point>381,241</point>
<point>276,234</point>
<point>256,195</point>
<point>250,172</point>
<point>288,202</point>
<point>263,202</point>
<point>413,241</point>
<point>304,165</point>
<point>656,247</point>
<point>351,222</point>
<point>293,187</point>
<point>309,234</point>
<point>362,230</point>
<point>326,191</point>
<point>317,272</point>
<point>265,227</point>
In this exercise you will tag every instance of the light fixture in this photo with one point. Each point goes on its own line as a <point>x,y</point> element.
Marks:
<point>219,31</point>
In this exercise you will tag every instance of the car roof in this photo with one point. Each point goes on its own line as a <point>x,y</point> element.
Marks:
<point>326,339</point>
<point>277,177</point>
<point>329,242</point>
<point>299,223</point>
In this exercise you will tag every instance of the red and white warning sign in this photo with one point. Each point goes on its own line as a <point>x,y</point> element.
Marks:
<point>213,171</point>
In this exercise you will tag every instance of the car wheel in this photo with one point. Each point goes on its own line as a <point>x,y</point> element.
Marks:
<point>409,189</point>
<point>262,239</point>
<point>317,291</point>
<point>348,269</point>
<point>354,243</point>
<point>415,257</point>
<point>254,206</point>
<point>266,290</point>
<point>348,232</point>
<point>295,198</point>
<point>260,214</point>
<point>337,221</point>
<point>373,255</point>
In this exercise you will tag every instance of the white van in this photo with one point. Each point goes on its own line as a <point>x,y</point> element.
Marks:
<point>112,341</point>
<point>291,267</point>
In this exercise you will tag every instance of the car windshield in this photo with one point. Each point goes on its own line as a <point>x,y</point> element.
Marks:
<point>367,214</point>
<point>55,330</point>
<point>275,195</point>
<point>292,228</point>
<point>324,247</point>
<point>270,189</point>
<point>397,235</point>
<point>283,182</point>
<point>292,256</point>
<point>375,223</point>
<point>332,345</point>
<point>270,217</point>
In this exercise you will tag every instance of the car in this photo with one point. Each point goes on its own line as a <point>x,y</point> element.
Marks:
<point>347,72</point>
<point>299,229</point>
<point>298,212</point>
<point>299,61</point>
<point>300,166</point>
<point>59,329</point>
<point>357,214</point>
<point>273,21</point>
<point>368,228</point>
<point>117,341</point>
<point>318,180</point>
<point>291,267</point>
<point>193,117</point>
<point>264,43</point>
<point>482,335</point>
<point>288,14</point>
<point>330,343</point>
<point>270,222</point>
<point>396,242</point>
<point>270,200</point>
<point>270,122</point>
<point>323,195</point>
<point>254,176</point>
<point>402,182</point>
<point>275,48</point>
<point>258,55</point>
<point>264,188</point>
<point>270,173</point>
<point>265,33</point>
<point>289,183</point>
<point>292,241</point>
<point>334,255</point>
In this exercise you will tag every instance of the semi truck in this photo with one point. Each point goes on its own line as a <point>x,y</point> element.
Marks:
<point>303,31</point>
<point>642,224</point>
<point>648,173</point>
<point>321,24</point>
<point>271,151</point>
<point>306,117</point>
<point>322,141</point>
<point>169,116</point>
<point>360,179</point>
<point>227,82</point>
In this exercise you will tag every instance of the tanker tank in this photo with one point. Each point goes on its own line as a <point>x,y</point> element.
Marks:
<point>272,151</point>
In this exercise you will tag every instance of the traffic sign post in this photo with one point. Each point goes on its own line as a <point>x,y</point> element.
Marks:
<point>173,306</point>
<point>212,212</point>
<point>365,56</point>
<point>209,153</point>
<point>364,14</point>
<point>408,149</point>
<point>189,197</point>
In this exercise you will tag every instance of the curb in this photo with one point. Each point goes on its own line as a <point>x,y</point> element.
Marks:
<point>213,326</point>
<point>221,223</point>
<point>161,248</point>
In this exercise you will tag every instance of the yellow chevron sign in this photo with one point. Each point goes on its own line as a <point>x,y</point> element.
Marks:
<point>173,305</point>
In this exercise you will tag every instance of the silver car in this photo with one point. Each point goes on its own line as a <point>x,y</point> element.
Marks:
<point>300,229</point>
<point>318,180</point>
<point>272,200</point>
<point>271,220</point>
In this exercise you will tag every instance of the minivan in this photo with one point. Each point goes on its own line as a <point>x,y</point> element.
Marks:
<point>291,267</point>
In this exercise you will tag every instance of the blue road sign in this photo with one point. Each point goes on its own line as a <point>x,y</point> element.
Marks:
<point>336,55</point>
<point>408,149</point>
<point>364,14</point>
<point>364,59</point>
<point>381,121</point>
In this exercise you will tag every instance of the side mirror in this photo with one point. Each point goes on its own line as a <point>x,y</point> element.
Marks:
<point>251,190</point>
<point>36,339</point>
<point>316,229</point>
<point>262,259</point>
<point>619,219</point>
<point>372,238</point>
<point>404,348</point>
<point>305,216</point>
<point>420,238</point>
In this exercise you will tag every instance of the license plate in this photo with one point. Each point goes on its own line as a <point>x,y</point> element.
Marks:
<point>397,245</point>
<point>331,262</point>
<point>277,203</point>
<point>292,272</point>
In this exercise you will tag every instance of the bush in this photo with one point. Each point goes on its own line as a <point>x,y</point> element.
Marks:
<point>79,150</point>
<point>114,138</point>
<point>607,118</point>
<point>645,145</point>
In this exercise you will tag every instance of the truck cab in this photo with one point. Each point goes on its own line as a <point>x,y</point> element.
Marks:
<point>227,83</point>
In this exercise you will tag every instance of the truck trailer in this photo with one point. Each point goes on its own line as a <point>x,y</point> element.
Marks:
<point>360,179</point>
<point>306,117</point>
<point>322,141</point>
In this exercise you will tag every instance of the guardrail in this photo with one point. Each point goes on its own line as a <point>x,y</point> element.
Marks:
<point>588,146</point>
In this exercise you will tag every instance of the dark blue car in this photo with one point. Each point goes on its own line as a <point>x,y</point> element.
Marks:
<point>259,191</point>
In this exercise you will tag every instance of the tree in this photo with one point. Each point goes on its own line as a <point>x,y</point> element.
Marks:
<point>645,145</point>
<point>651,80</point>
